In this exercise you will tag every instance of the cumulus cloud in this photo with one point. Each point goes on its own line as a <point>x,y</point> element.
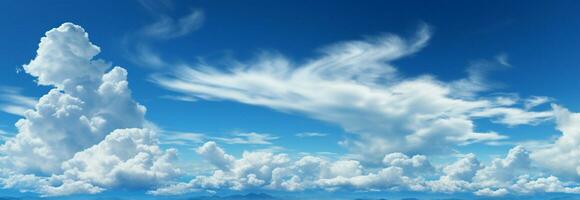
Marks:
<point>562,156</point>
<point>399,172</point>
<point>504,170</point>
<point>215,155</point>
<point>353,84</point>
<point>463,169</point>
<point>492,193</point>
<point>259,169</point>
<point>125,158</point>
<point>418,164</point>
<point>75,139</point>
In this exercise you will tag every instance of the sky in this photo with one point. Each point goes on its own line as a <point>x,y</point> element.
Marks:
<point>164,99</point>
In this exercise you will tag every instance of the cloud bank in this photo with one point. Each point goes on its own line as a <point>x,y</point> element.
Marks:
<point>399,172</point>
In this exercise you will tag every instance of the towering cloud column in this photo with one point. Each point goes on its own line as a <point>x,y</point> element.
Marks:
<point>87,129</point>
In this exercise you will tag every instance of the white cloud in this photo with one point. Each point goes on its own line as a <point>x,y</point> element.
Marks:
<point>265,170</point>
<point>139,46</point>
<point>353,84</point>
<point>216,155</point>
<point>181,138</point>
<point>562,156</point>
<point>15,103</point>
<point>535,101</point>
<point>125,158</point>
<point>167,27</point>
<point>502,171</point>
<point>463,169</point>
<point>310,134</point>
<point>418,164</point>
<point>65,56</point>
<point>247,138</point>
<point>542,185</point>
<point>514,116</point>
<point>75,139</point>
<point>491,192</point>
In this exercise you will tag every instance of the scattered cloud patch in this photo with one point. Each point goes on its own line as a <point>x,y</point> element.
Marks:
<point>310,134</point>
<point>14,102</point>
<point>247,138</point>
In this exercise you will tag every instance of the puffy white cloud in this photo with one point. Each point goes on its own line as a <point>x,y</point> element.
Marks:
<point>526,185</point>
<point>260,169</point>
<point>216,155</point>
<point>463,169</point>
<point>562,156</point>
<point>491,192</point>
<point>391,178</point>
<point>353,84</point>
<point>418,164</point>
<point>125,158</point>
<point>346,168</point>
<point>64,55</point>
<point>502,171</point>
<point>76,139</point>
<point>86,105</point>
<point>264,170</point>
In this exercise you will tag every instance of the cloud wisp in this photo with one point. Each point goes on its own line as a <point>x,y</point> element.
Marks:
<point>14,102</point>
<point>354,85</point>
<point>140,44</point>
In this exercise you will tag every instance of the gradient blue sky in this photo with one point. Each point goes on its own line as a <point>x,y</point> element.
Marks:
<point>538,41</point>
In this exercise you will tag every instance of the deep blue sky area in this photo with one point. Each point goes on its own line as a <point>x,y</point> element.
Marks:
<point>539,40</point>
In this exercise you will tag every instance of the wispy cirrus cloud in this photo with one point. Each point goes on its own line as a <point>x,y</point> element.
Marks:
<point>167,27</point>
<point>13,102</point>
<point>355,85</point>
<point>139,45</point>
<point>194,139</point>
<point>247,138</point>
<point>310,134</point>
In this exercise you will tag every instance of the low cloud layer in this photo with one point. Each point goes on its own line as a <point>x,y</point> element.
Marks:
<point>399,172</point>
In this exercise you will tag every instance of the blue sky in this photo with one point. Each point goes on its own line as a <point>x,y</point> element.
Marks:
<point>288,97</point>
